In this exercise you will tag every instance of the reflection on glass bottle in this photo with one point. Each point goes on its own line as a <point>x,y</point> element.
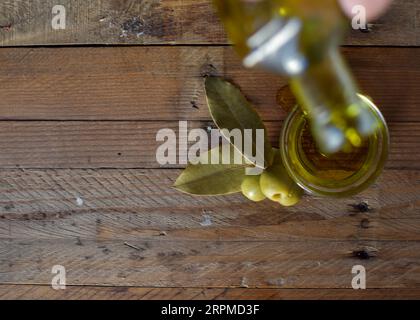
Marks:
<point>300,39</point>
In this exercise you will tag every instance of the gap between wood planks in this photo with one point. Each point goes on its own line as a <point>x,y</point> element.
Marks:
<point>99,144</point>
<point>128,204</point>
<point>98,292</point>
<point>153,84</point>
<point>162,22</point>
<point>261,264</point>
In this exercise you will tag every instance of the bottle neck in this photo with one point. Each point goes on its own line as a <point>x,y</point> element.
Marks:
<point>327,91</point>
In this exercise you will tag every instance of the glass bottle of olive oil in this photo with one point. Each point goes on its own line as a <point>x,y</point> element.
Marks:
<point>300,39</point>
<point>341,174</point>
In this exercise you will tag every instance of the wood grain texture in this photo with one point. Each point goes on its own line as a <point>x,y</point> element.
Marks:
<point>398,27</point>
<point>9,292</point>
<point>166,83</point>
<point>131,229</point>
<point>125,205</point>
<point>25,22</point>
<point>252,264</point>
<point>80,185</point>
<point>132,144</point>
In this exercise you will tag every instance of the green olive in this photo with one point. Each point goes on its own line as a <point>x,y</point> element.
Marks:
<point>251,188</point>
<point>277,186</point>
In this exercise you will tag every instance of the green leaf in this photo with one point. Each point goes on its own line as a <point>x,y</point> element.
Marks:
<point>230,110</point>
<point>213,179</point>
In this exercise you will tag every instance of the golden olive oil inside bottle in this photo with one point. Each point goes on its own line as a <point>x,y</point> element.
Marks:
<point>336,142</point>
<point>308,54</point>
<point>342,173</point>
<point>337,166</point>
<point>242,18</point>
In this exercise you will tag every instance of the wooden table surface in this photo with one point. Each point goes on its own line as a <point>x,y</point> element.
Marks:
<point>80,186</point>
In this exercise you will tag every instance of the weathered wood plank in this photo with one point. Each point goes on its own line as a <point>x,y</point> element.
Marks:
<point>111,22</point>
<point>127,205</point>
<point>398,27</point>
<point>166,83</point>
<point>9,292</point>
<point>128,227</point>
<point>253,264</point>
<point>26,22</point>
<point>132,144</point>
